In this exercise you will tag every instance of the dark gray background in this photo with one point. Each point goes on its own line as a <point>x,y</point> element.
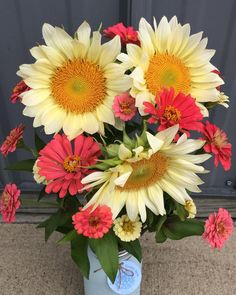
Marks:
<point>20,29</point>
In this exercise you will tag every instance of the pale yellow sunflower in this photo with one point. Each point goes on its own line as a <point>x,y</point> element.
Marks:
<point>73,81</point>
<point>144,174</point>
<point>170,57</point>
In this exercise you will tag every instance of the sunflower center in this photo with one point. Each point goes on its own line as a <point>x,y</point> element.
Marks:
<point>172,114</point>
<point>94,221</point>
<point>71,163</point>
<point>146,172</point>
<point>79,86</point>
<point>167,71</point>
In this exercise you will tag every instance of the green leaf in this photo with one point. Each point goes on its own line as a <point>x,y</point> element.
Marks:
<point>160,236</point>
<point>39,143</point>
<point>42,193</point>
<point>106,250</point>
<point>160,221</point>
<point>134,248</point>
<point>180,211</point>
<point>56,220</point>
<point>25,165</point>
<point>68,237</point>
<point>177,229</point>
<point>79,254</point>
<point>151,220</point>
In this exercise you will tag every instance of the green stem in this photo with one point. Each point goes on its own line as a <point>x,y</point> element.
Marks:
<point>21,145</point>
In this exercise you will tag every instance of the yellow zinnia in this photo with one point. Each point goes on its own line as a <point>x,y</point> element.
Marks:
<point>126,229</point>
<point>73,81</point>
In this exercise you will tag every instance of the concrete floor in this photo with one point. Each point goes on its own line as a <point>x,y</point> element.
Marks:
<point>28,266</point>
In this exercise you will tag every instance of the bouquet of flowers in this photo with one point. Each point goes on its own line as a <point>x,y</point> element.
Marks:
<point>122,160</point>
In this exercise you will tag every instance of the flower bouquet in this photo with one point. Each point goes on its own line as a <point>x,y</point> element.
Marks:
<point>122,160</point>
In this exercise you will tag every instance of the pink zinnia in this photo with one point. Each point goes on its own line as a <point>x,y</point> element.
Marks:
<point>219,74</point>
<point>93,223</point>
<point>217,144</point>
<point>171,109</point>
<point>127,34</point>
<point>124,107</point>
<point>64,166</point>
<point>10,143</point>
<point>18,90</point>
<point>9,202</point>
<point>218,228</point>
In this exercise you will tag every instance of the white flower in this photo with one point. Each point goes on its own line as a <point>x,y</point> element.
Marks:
<point>37,177</point>
<point>170,57</point>
<point>141,181</point>
<point>73,81</point>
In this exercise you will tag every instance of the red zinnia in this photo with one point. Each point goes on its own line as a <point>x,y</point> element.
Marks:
<point>93,223</point>
<point>10,143</point>
<point>9,202</point>
<point>18,90</point>
<point>171,110</point>
<point>64,166</point>
<point>217,144</point>
<point>218,228</point>
<point>127,34</point>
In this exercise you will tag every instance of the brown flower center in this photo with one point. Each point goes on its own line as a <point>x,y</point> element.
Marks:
<point>128,226</point>
<point>94,221</point>
<point>126,108</point>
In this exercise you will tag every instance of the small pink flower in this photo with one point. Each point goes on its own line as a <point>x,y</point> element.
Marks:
<point>18,90</point>
<point>170,109</point>
<point>9,202</point>
<point>218,228</point>
<point>63,165</point>
<point>127,34</point>
<point>124,107</point>
<point>93,224</point>
<point>10,143</point>
<point>219,74</point>
<point>217,144</point>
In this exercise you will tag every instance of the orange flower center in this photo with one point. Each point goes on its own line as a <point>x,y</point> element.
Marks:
<point>79,86</point>
<point>220,228</point>
<point>125,108</point>
<point>94,221</point>
<point>219,140</point>
<point>167,71</point>
<point>172,114</point>
<point>5,200</point>
<point>146,172</point>
<point>71,163</point>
